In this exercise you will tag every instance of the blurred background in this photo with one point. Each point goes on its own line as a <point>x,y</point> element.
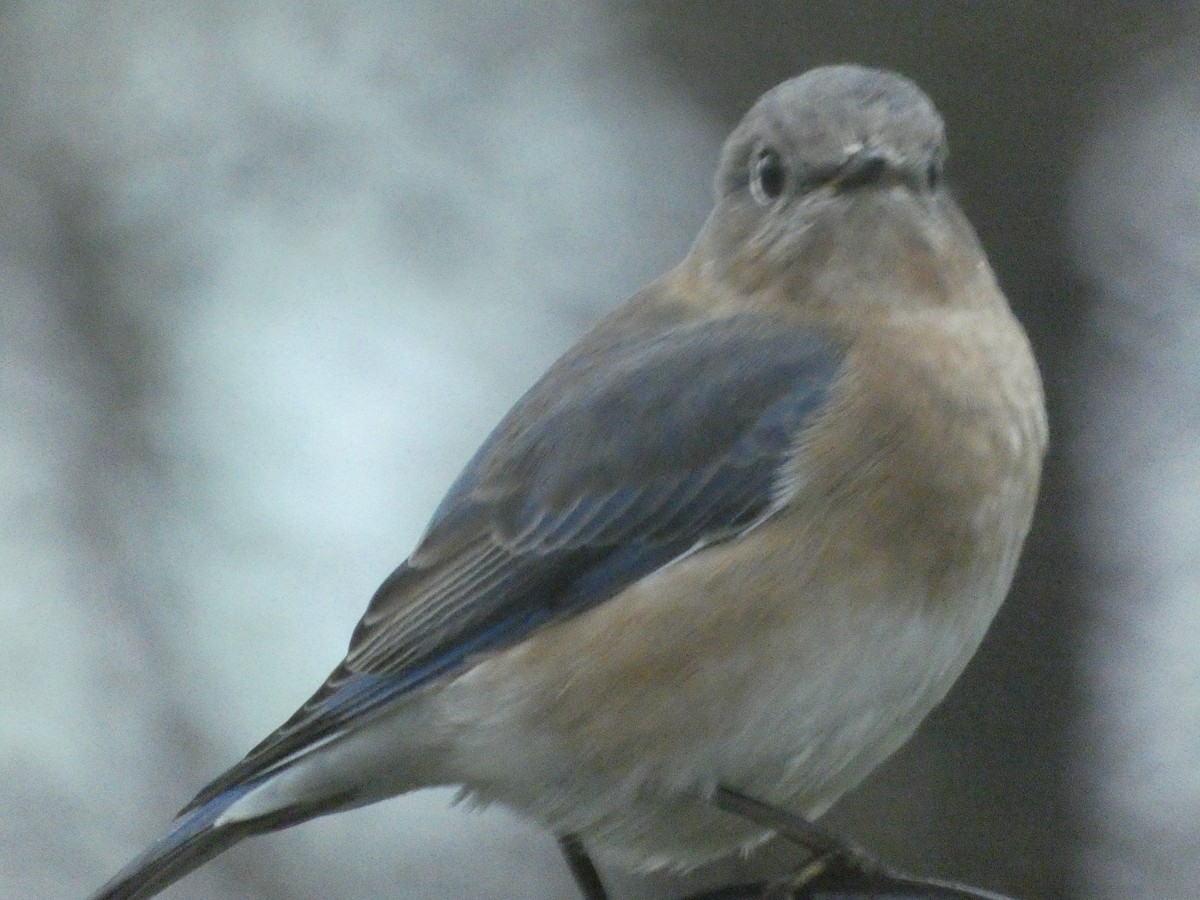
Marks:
<point>270,271</point>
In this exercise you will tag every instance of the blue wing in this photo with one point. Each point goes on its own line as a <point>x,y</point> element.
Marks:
<point>626,455</point>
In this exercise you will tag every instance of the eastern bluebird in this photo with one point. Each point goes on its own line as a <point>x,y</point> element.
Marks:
<point>744,535</point>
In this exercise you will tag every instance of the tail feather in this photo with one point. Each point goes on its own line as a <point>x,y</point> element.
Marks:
<point>196,837</point>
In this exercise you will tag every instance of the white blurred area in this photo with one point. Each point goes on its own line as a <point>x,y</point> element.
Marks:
<point>269,273</point>
<point>1137,230</point>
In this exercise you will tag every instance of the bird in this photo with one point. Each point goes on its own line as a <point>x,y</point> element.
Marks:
<point>742,537</point>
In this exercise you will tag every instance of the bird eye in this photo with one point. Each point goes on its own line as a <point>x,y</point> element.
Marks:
<point>769,177</point>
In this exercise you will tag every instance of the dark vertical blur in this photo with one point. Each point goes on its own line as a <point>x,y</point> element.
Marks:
<point>267,274</point>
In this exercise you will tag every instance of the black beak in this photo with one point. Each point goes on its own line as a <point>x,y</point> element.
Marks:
<point>867,166</point>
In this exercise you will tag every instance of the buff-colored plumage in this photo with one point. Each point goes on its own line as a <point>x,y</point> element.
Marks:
<point>746,533</point>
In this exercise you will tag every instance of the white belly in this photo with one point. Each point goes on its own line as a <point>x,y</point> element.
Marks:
<point>617,724</point>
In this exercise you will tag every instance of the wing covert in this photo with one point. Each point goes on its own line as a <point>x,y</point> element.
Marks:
<point>597,477</point>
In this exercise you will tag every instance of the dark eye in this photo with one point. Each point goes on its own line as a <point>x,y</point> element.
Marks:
<point>769,177</point>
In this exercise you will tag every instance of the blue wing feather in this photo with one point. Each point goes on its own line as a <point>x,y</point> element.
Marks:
<point>595,479</point>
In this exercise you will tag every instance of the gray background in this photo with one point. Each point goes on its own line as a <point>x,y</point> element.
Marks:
<point>269,272</point>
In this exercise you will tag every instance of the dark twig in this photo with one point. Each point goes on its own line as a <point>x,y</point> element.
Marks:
<point>834,882</point>
<point>582,868</point>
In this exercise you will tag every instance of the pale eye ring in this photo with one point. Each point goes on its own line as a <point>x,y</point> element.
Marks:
<point>768,177</point>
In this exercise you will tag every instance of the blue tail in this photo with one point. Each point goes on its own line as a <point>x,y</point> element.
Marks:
<point>195,838</point>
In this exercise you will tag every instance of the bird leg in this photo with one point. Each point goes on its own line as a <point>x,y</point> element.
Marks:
<point>838,867</point>
<point>582,868</point>
<point>826,847</point>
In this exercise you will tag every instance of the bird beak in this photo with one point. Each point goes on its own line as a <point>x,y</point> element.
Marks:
<point>863,166</point>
